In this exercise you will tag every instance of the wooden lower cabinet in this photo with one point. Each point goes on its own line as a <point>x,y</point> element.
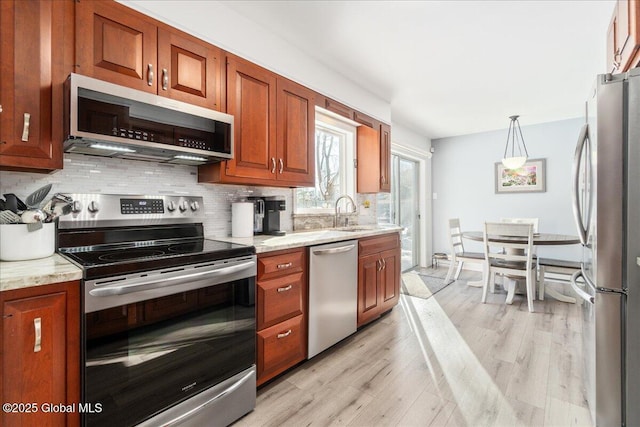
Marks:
<point>40,354</point>
<point>281,311</point>
<point>378,276</point>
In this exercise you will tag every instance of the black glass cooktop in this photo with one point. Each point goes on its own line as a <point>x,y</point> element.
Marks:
<point>123,258</point>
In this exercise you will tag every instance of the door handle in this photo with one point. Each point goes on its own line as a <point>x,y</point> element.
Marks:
<point>285,334</point>
<point>583,140</point>
<point>25,127</point>
<point>37,329</point>
<point>281,165</point>
<point>165,79</point>
<point>582,294</point>
<point>285,289</point>
<point>273,165</point>
<point>150,74</point>
<point>337,250</point>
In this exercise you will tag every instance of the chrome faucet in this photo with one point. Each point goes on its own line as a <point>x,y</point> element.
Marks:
<point>337,209</point>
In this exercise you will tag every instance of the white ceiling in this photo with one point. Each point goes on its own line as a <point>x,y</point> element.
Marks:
<point>453,67</point>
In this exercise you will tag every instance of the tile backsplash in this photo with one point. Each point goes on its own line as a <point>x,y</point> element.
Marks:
<point>91,174</point>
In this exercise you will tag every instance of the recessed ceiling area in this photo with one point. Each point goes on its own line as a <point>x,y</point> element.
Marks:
<point>453,67</point>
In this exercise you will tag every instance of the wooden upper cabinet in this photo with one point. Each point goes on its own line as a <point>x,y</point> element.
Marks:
<point>116,44</point>
<point>273,130</point>
<point>295,133</point>
<point>623,37</point>
<point>189,70</point>
<point>122,46</point>
<point>36,56</point>
<point>251,98</point>
<point>368,152</point>
<point>385,158</point>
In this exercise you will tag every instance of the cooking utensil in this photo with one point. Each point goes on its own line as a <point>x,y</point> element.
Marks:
<point>9,217</point>
<point>33,218</point>
<point>33,200</point>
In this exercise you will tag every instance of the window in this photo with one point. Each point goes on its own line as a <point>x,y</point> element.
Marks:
<point>334,151</point>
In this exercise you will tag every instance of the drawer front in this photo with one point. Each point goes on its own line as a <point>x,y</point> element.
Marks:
<point>280,299</point>
<point>281,264</point>
<point>377,244</point>
<point>280,347</point>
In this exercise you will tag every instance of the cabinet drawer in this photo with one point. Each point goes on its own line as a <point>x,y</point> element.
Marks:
<point>281,264</point>
<point>377,244</point>
<point>280,347</point>
<point>279,299</point>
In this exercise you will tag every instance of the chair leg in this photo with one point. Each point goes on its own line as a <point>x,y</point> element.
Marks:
<point>452,268</point>
<point>485,285</point>
<point>459,270</point>
<point>530,290</point>
<point>492,282</point>
<point>541,284</point>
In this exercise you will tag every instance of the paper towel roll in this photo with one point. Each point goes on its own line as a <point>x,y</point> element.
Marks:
<point>242,219</point>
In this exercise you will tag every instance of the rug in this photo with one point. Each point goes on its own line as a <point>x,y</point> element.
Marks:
<point>420,285</point>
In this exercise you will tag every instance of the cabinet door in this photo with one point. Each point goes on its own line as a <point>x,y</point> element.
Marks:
<point>36,55</point>
<point>251,98</point>
<point>368,288</point>
<point>189,69</point>
<point>385,158</point>
<point>390,279</point>
<point>280,299</point>
<point>40,357</point>
<point>368,148</point>
<point>280,347</point>
<point>116,44</point>
<point>295,133</point>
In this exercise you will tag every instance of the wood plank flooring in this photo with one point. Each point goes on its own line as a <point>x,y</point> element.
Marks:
<point>448,360</point>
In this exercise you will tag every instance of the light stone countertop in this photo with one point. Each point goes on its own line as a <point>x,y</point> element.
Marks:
<point>37,272</point>
<point>308,238</point>
<point>56,269</point>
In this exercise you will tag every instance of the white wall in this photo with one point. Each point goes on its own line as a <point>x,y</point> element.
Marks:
<point>222,26</point>
<point>463,179</point>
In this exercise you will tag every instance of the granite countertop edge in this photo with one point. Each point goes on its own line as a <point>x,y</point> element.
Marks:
<point>37,272</point>
<point>298,239</point>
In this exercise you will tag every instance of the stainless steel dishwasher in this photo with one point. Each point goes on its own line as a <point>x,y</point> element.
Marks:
<point>333,294</point>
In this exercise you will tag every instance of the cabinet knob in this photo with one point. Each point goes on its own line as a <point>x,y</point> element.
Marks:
<point>150,74</point>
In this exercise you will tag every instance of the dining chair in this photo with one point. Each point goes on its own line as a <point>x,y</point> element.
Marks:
<point>458,255</point>
<point>517,259</point>
<point>558,267</point>
<point>533,221</point>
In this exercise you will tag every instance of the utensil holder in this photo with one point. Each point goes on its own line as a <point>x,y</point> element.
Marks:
<point>19,244</point>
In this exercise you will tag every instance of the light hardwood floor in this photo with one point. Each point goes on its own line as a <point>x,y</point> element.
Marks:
<point>448,360</point>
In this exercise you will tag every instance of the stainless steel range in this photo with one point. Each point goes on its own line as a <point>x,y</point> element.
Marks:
<point>169,316</point>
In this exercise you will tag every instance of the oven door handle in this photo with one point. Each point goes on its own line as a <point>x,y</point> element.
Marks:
<point>170,281</point>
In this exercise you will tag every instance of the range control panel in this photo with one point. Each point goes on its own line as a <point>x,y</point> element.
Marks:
<point>108,210</point>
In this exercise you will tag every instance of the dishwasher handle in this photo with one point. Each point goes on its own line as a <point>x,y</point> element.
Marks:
<point>330,251</point>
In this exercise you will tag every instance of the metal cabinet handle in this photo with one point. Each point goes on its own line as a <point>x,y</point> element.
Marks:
<point>285,289</point>
<point>379,265</point>
<point>281,165</point>
<point>273,165</point>
<point>281,266</point>
<point>383,179</point>
<point>617,59</point>
<point>285,334</point>
<point>150,74</point>
<point>165,79</point>
<point>384,263</point>
<point>37,327</point>
<point>25,127</point>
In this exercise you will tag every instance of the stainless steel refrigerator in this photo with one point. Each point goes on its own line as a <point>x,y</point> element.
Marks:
<point>606,203</point>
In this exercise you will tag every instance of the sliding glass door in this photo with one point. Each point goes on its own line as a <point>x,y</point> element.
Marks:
<point>400,207</point>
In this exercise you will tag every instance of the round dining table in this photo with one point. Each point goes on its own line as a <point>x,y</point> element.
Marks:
<point>539,239</point>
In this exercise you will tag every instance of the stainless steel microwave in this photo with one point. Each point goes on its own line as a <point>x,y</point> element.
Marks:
<point>104,119</point>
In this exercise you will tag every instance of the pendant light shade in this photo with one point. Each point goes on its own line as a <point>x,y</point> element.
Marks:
<point>515,152</point>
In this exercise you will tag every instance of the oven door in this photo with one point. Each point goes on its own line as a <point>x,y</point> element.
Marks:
<point>155,339</point>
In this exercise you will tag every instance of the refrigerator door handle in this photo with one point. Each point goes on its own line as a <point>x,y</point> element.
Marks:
<point>577,214</point>
<point>582,294</point>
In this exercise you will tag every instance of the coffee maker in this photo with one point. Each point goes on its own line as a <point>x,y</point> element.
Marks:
<point>267,215</point>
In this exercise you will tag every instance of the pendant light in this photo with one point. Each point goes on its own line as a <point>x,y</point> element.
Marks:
<point>515,157</point>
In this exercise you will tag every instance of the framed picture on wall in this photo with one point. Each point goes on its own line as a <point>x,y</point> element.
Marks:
<point>530,178</point>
